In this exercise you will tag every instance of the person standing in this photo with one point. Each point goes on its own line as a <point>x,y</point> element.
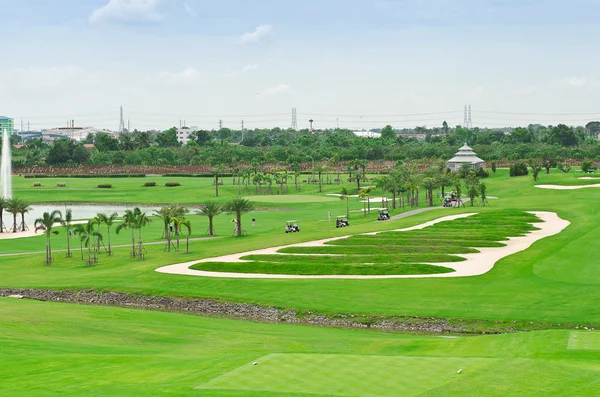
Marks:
<point>253,221</point>
<point>328,216</point>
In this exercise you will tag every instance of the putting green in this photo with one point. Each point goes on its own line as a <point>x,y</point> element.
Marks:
<point>584,340</point>
<point>346,375</point>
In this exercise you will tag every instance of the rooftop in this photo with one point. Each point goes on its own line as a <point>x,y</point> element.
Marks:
<point>5,118</point>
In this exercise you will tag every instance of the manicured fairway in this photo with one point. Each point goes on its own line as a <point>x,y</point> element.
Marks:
<point>57,349</point>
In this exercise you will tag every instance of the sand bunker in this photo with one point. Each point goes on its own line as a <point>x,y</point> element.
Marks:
<point>588,178</point>
<point>561,187</point>
<point>474,264</point>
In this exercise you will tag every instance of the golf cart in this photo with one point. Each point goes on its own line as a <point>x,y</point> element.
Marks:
<point>341,221</point>
<point>292,227</point>
<point>383,214</point>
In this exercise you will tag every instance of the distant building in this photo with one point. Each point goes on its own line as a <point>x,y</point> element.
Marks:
<point>75,133</point>
<point>465,155</point>
<point>7,124</point>
<point>183,134</point>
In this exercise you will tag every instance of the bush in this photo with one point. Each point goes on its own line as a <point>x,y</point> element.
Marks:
<point>588,166</point>
<point>482,173</point>
<point>172,184</point>
<point>519,169</point>
<point>37,184</point>
<point>105,186</point>
<point>494,167</point>
<point>61,185</point>
<point>149,184</point>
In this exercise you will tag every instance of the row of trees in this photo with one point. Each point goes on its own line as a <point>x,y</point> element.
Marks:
<point>289,146</point>
<point>14,206</point>
<point>91,237</point>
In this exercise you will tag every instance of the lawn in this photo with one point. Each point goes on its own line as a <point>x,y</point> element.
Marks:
<point>57,349</point>
<point>554,281</point>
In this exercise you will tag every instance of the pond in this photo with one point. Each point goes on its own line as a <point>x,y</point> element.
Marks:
<point>79,212</point>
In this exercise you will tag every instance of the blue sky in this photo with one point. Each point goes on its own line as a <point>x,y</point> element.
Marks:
<point>365,63</point>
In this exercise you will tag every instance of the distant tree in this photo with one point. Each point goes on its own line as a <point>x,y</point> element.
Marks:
<point>536,167</point>
<point>445,127</point>
<point>105,143</point>
<point>388,133</point>
<point>210,209</point>
<point>168,138</point>
<point>429,185</point>
<point>593,128</point>
<point>522,135</point>
<point>66,222</point>
<point>494,167</point>
<point>60,152</point>
<point>187,224</point>
<point>109,221</point>
<point>344,196</point>
<point>81,155</point>
<point>563,135</point>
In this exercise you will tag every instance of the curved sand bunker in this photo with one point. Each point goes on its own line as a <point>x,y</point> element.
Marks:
<point>562,187</point>
<point>474,265</point>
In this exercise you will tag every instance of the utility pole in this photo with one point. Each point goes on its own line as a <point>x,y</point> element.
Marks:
<point>466,119</point>
<point>242,131</point>
<point>121,121</point>
<point>470,120</point>
<point>337,123</point>
<point>294,119</point>
<point>220,124</point>
<point>128,125</point>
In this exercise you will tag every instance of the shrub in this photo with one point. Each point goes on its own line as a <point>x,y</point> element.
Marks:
<point>494,167</point>
<point>37,184</point>
<point>172,184</point>
<point>105,186</point>
<point>482,173</point>
<point>588,166</point>
<point>149,184</point>
<point>61,185</point>
<point>519,169</point>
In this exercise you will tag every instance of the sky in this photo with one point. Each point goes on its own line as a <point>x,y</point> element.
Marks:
<point>348,63</point>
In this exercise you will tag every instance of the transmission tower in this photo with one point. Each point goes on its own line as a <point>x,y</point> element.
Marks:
<point>466,120</point>
<point>220,125</point>
<point>121,122</point>
<point>470,121</point>
<point>294,119</point>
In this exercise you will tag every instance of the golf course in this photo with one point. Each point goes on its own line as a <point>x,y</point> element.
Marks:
<point>472,300</point>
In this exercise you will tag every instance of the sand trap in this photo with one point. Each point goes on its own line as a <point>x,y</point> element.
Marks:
<point>588,178</point>
<point>474,265</point>
<point>561,187</point>
<point>31,232</point>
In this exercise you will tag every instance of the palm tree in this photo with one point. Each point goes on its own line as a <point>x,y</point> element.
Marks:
<point>319,169</point>
<point>188,225</point>
<point>46,223</point>
<point>238,206</point>
<point>67,224</point>
<point>97,219</point>
<point>79,230</point>
<point>130,222</point>
<point>24,208</point>
<point>87,234</point>
<point>429,185</point>
<point>216,171</point>
<point>345,196</point>
<point>3,205</point>
<point>210,209</point>
<point>178,223</point>
<point>12,206</point>
<point>141,221</point>
<point>109,221</point>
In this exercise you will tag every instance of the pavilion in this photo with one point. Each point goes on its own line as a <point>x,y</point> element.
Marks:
<point>465,155</point>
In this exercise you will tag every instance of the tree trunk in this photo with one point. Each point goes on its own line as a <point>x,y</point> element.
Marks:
<point>210,226</point>
<point>89,261</point>
<point>47,242</point>
<point>347,209</point>
<point>239,225</point>
<point>393,199</point>
<point>320,186</point>
<point>22,221</point>
<point>132,243</point>
<point>187,245</point>
<point>217,185</point>
<point>68,243</point>
<point>108,236</point>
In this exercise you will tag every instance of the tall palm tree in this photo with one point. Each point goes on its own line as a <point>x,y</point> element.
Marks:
<point>3,205</point>
<point>130,222</point>
<point>45,224</point>
<point>24,208</point>
<point>12,206</point>
<point>210,209</point>
<point>345,196</point>
<point>429,185</point>
<point>66,222</point>
<point>109,221</point>
<point>319,169</point>
<point>97,220</point>
<point>178,222</point>
<point>141,221</point>
<point>217,170</point>
<point>238,206</point>
<point>88,236</point>
<point>187,224</point>
<point>79,230</point>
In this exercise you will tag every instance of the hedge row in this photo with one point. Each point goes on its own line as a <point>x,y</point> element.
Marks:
<point>35,176</point>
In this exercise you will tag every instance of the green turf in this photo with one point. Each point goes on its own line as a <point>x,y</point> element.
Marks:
<point>58,349</point>
<point>346,375</point>
<point>555,280</point>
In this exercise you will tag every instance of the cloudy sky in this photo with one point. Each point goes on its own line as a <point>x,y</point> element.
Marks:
<point>358,63</point>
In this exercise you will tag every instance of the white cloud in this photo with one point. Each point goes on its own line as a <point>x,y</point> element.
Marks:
<point>526,90</point>
<point>187,75</point>
<point>259,33</point>
<point>577,81</point>
<point>188,8</point>
<point>279,89</point>
<point>127,10</point>
<point>250,67</point>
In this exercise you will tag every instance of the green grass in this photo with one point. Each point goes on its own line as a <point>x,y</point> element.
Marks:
<point>321,268</point>
<point>57,349</point>
<point>556,280</point>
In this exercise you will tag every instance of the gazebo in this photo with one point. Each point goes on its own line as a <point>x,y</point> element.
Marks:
<point>465,155</point>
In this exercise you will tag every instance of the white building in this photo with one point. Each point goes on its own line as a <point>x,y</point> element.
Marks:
<point>75,133</point>
<point>465,155</point>
<point>183,134</point>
